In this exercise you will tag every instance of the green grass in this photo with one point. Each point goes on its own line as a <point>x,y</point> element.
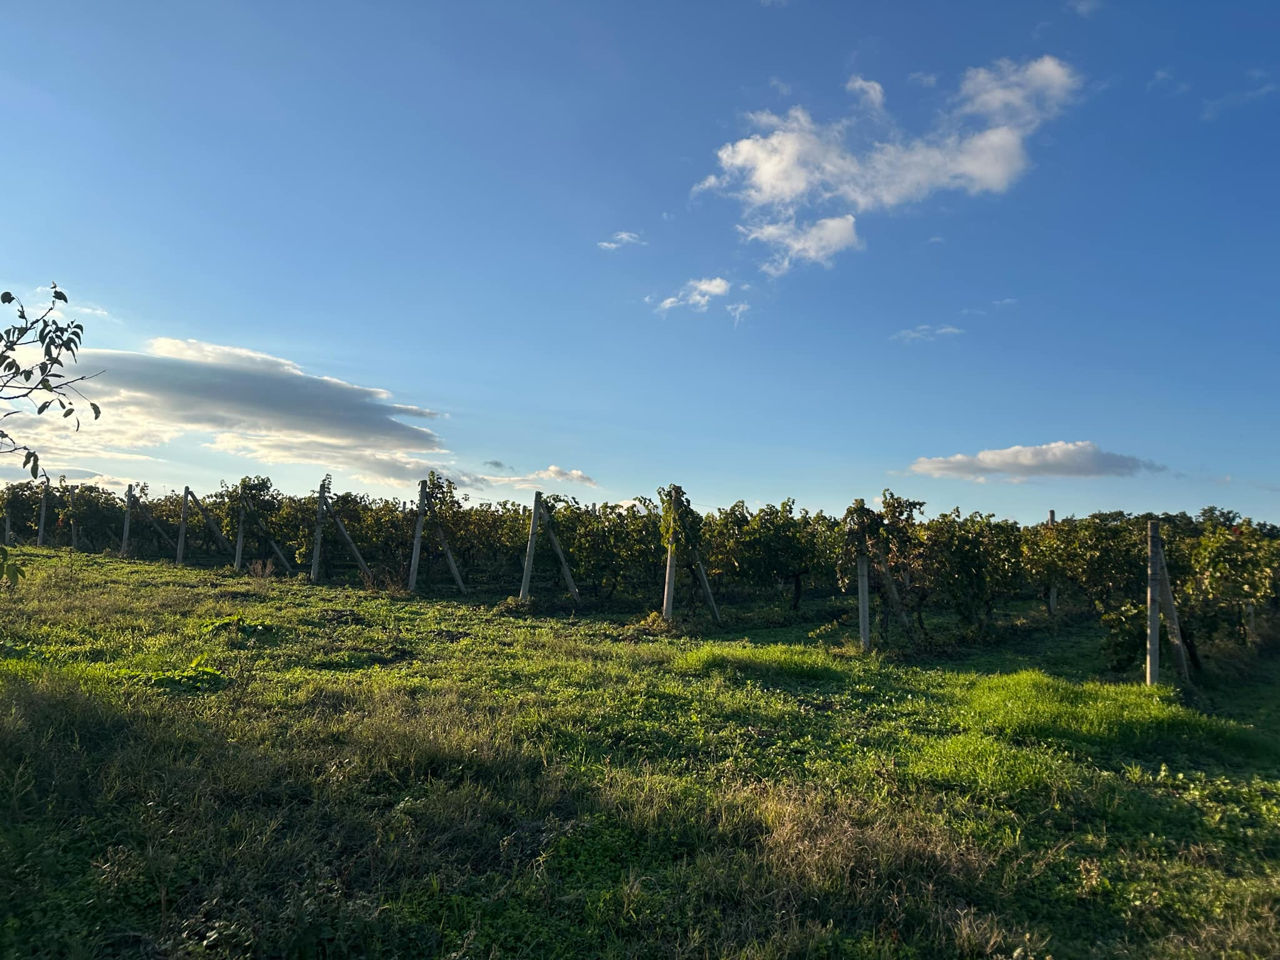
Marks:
<point>199,764</point>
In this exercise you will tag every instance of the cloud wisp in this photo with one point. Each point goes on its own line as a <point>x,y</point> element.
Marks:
<point>623,238</point>
<point>1211,109</point>
<point>801,182</point>
<point>924,332</point>
<point>1081,458</point>
<point>697,294</point>
<point>531,481</point>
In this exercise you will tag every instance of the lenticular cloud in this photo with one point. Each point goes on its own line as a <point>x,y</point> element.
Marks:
<point>1081,458</point>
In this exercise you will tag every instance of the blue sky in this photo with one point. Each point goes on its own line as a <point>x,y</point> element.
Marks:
<point>1009,258</point>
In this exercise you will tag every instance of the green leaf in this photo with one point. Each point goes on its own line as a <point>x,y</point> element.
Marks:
<point>6,297</point>
<point>59,295</point>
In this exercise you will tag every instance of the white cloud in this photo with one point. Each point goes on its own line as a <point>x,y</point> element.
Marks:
<point>237,401</point>
<point>697,294</point>
<point>783,89</point>
<point>1212,109</point>
<point>793,165</point>
<point>923,79</point>
<point>531,480</point>
<point>1005,302</point>
<point>869,92</point>
<point>937,239</point>
<point>817,243</point>
<point>622,238</point>
<point>925,331</point>
<point>1084,8</point>
<point>1020,96</point>
<point>1059,459</point>
<point>737,311</point>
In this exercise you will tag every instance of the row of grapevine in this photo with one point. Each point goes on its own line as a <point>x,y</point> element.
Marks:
<point>967,567</point>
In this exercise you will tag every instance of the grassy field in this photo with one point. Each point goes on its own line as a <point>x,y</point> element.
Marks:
<point>195,763</point>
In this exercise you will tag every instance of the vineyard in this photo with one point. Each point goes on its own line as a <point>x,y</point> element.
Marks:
<point>645,554</point>
<point>305,757</point>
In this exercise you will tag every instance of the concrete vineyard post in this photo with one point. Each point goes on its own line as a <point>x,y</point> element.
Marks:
<point>555,545</point>
<point>143,509</point>
<point>417,536</point>
<point>210,525</point>
<point>1153,602</point>
<point>71,508</point>
<point>275,547</point>
<point>44,496</point>
<point>448,559</point>
<point>533,541</point>
<point>1053,584</point>
<point>891,590</point>
<point>182,524</point>
<point>240,532</point>
<point>669,589</point>
<point>706,589</point>
<point>128,515</point>
<point>315,550</point>
<point>864,603</point>
<point>1171,619</point>
<point>444,546</point>
<point>346,538</point>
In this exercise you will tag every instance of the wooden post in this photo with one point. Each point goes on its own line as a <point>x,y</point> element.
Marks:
<point>124,534</point>
<point>267,533</point>
<point>417,536</point>
<point>555,545</point>
<point>44,495</point>
<point>1153,602</point>
<point>1053,584</point>
<point>669,590</point>
<point>210,525</point>
<point>146,512</point>
<point>533,541</point>
<point>864,603</point>
<point>240,530</point>
<point>182,524</point>
<point>1171,619</point>
<point>706,589</point>
<point>315,551</point>
<point>351,545</point>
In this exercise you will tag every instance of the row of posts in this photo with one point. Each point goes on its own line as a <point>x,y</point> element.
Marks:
<point>44,496</point>
<point>1159,588</point>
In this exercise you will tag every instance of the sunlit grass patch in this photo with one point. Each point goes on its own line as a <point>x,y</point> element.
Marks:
<point>987,766</point>
<point>772,662</point>
<point>1119,719</point>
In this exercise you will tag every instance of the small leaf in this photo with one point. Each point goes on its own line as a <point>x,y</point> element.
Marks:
<point>59,295</point>
<point>6,297</point>
<point>97,411</point>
